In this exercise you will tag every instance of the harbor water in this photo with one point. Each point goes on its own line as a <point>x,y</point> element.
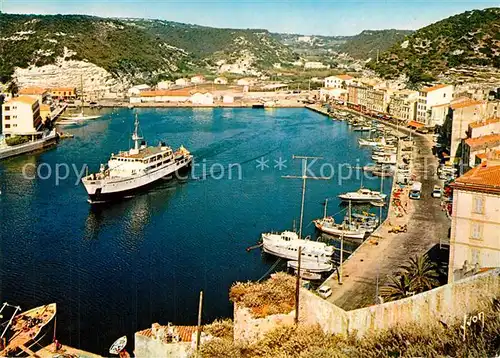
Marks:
<point>117,268</point>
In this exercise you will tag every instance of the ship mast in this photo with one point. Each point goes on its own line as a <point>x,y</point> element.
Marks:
<point>135,136</point>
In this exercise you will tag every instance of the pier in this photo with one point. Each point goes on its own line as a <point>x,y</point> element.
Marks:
<point>54,115</point>
<point>379,256</point>
<point>66,351</point>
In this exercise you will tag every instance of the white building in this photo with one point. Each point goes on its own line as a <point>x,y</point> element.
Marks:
<point>198,79</point>
<point>429,97</point>
<point>475,227</point>
<point>182,82</point>
<point>180,95</point>
<point>227,99</point>
<point>220,81</point>
<point>204,99</point>
<point>164,85</point>
<point>338,81</point>
<point>136,90</point>
<point>339,94</point>
<point>21,116</point>
<point>245,81</point>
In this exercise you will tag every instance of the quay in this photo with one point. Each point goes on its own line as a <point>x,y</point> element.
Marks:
<point>65,351</point>
<point>380,255</point>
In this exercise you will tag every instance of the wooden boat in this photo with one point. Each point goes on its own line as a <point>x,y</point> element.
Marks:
<point>316,267</point>
<point>26,327</point>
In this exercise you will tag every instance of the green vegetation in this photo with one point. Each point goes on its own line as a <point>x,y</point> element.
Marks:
<point>16,140</point>
<point>434,340</point>
<point>145,49</point>
<point>366,44</point>
<point>468,39</point>
<point>273,296</point>
<point>418,276</point>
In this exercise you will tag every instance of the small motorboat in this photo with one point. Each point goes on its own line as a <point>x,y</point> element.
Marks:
<point>311,266</point>
<point>118,345</point>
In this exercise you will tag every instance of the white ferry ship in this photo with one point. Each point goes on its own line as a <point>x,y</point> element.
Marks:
<point>132,171</point>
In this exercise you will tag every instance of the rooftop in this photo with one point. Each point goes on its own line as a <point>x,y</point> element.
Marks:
<point>23,99</point>
<point>185,332</point>
<point>486,140</point>
<point>465,103</point>
<point>179,92</point>
<point>485,122</point>
<point>484,178</point>
<point>434,88</point>
<point>483,156</point>
<point>33,90</point>
<point>441,105</point>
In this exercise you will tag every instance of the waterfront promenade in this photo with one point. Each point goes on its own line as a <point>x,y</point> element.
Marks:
<point>381,255</point>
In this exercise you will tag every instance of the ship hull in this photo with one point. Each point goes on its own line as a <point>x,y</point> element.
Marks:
<point>102,192</point>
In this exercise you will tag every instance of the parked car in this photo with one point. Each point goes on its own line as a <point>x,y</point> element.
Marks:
<point>325,291</point>
<point>422,130</point>
<point>437,192</point>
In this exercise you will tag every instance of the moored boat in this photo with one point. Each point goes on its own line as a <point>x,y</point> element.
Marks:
<point>328,226</point>
<point>311,266</point>
<point>26,327</point>
<point>363,195</point>
<point>286,245</point>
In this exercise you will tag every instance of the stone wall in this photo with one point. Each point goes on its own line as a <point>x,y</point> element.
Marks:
<point>250,329</point>
<point>447,304</point>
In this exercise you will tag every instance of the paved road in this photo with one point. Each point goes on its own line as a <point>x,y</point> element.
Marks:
<point>380,257</point>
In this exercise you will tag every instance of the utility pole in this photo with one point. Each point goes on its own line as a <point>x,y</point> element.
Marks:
<point>198,331</point>
<point>304,177</point>
<point>297,287</point>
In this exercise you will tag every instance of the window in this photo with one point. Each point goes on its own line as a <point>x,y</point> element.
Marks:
<point>7,126</point>
<point>476,231</point>
<point>7,108</point>
<point>478,205</point>
<point>14,125</point>
<point>7,118</point>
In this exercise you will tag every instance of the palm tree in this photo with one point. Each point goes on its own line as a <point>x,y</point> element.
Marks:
<point>422,273</point>
<point>399,287</point>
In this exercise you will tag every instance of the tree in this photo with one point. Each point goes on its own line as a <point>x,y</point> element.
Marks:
<point>399,287</point>
<point>423,273</point>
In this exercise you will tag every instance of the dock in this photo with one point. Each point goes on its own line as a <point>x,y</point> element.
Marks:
<point>66,351</point>
<point>54,115</point>
<point>381,255</point>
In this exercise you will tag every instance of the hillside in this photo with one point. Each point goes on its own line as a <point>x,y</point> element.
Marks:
<point>361,46</point>
<point>133,48</point>
<point>468,39</point>
<point>365,44</point>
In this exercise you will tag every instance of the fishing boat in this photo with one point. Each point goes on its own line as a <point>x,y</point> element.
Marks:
<point>370,142</point>
<point>328,226</point>
<point>26,327</point>
<point>316,267</point>
<point>362,128</point>
<point>307,275</point>
<point>363,195</point>
<point>286,245</point>
<point>383,173</point>
<point>129,172</point>
<point>77,117</point>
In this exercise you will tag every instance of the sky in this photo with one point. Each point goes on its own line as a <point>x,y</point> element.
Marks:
<point>309,17</point>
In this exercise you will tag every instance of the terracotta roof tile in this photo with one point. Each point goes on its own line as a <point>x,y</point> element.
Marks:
<point>434,88</point>
<point>483,156</point>
<point>23,99</point>
<point>464,104</point>
<point>185,332</point>
<point>180,92</point>
<point>483,177</point>
<point>62,89</point>
<point>484,123</point>
<point>32,90</point>
<point>486,140</point>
